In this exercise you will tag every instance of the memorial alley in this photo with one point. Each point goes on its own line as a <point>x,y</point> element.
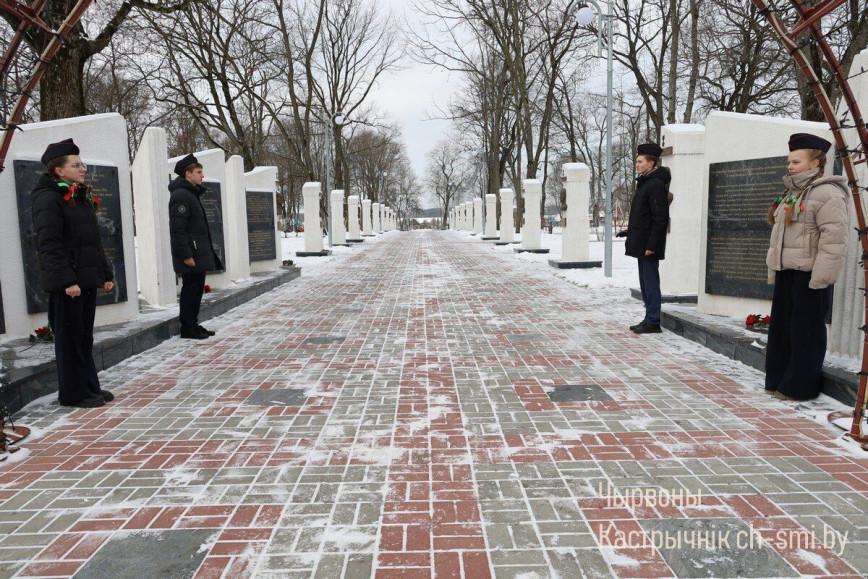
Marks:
<point>429,405</point>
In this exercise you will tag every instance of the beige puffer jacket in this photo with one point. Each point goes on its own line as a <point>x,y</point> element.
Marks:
<point>816,239</point>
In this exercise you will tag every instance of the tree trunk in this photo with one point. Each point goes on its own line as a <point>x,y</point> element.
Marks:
<point>61,88</point>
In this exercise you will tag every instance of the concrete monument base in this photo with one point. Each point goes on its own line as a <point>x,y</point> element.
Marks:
<point>575,264</point>
<point>490,238</point>
<point>506,242</point>
<point>668,298</point>
<point>322,253</point>
<point>524,250</point>
<point>355,240</point>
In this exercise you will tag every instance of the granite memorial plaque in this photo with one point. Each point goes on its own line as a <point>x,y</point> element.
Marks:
<point>106,186</point>
<point>212,200</point>
<point>260,225</point>
<point>739,195</point>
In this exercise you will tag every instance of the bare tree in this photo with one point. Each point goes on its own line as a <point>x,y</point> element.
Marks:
<point>446,175</point>
<point>61,89</point>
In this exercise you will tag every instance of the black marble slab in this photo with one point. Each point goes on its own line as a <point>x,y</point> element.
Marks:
<point>106,186</point>
<point>739,195</point>
<point>261,233</point>
<point>212,200</point>
<point>2,314</point>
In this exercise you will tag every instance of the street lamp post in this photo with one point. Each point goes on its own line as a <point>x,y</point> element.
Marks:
<point>584,16</point>
<point>330,121</point>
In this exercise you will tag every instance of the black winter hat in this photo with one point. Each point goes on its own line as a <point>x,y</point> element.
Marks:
<point>61,149</point>
<point>184,163</point>
<point>650,149</point>
<point>808,141</point>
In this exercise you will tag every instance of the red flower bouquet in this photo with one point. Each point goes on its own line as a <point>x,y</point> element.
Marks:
<point>758,322</point>
<point>43,334</point>
<point>207,289</point>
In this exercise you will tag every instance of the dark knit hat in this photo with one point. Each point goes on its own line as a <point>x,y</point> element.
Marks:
<point>650,149</point>
<point>61,149</point>
<point>184,163</point>
<point>808,141</point>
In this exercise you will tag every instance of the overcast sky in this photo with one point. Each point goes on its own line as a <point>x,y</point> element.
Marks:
<point>410,95</point>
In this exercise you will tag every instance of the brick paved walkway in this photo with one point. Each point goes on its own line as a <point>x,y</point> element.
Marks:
<point>406,414</point>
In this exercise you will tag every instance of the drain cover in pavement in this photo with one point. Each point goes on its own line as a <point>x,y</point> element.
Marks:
<point>150,554</point>
<point>579,392</point>
<point>724,549</point>
<point>323,340</point>
<point>279,397</point>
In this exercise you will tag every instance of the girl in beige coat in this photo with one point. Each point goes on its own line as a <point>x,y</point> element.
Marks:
<point>808,242</point>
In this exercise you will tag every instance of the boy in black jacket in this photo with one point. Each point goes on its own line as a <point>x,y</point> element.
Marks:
<point>646,231</point>
<point>193,252</point>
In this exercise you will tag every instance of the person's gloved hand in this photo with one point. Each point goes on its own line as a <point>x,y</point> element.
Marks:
<point>622,233</point>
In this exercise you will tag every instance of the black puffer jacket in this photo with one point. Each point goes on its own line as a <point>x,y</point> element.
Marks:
<point>67,240</point>
<point>189,230</point>
<point>649,215</point>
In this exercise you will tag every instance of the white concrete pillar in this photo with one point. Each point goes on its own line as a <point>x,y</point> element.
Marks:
<point>848,313</point>
<point>507,225</point>
<point>382,218</point>
<point>531,231</point>
<point>375,208</point>
<point>490,216</point>
<point>339,231</point>
<point>679,273</point>
<point>238,267</point>
<point>150,191</point>
<point>575,237</point>
<point>470,216</point>
<point>353,218</point>
<point>312,226</point>
<point>366,218</point>
<point>477,216</point>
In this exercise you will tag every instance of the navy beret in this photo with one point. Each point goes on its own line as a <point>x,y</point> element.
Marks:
<point>808,141</point>
<point>650,149</point>
<point>184,163</point>
<point>61,149</point>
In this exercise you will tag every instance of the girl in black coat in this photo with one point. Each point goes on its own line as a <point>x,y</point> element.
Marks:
<point>73,267</point>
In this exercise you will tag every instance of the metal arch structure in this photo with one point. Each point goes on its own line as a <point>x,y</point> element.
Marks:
<point>29,18</point>
<point>804,31</point>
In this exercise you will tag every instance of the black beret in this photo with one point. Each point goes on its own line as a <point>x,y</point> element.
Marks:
<point>184,163</point>
<point>650,149</point>
<point>808,141</point>
<point>61,149</point>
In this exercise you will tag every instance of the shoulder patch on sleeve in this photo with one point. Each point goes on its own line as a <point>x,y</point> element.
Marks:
<point>182,209</point>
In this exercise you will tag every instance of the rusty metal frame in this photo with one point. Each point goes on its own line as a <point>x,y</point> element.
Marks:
<point>809,21</point>
<point>29,16</point>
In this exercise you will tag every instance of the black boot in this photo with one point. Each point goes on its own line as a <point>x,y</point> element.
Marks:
<point>637,326</point>
<point>648,329</point>
<point>194,334</point>
<point>90,401</point>
<point>207,331</point>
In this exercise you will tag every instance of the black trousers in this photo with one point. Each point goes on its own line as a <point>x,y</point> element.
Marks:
<point>191,299</point>
<point>71,320</point>
<point>649,283</point>
<point>797,335</point>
